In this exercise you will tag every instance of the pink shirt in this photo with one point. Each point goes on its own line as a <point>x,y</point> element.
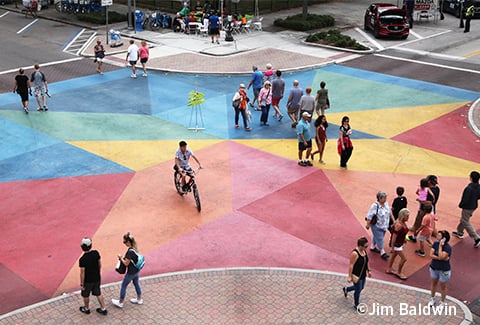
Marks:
<point>143,52</point>
<point>265,94</point>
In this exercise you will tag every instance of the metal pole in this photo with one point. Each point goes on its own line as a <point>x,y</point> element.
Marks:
<point>134,16</point>
<point>106,23</point>
<point>129,18</point>
<point>461,15</point>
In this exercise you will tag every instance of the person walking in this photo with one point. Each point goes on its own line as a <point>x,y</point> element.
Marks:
<point>129,260</point>
<point>397,243</point>
<point>265,100</point>
<point>278,89</point>
<point>440,269</point>
<point>293,102</point>
<point>468,17</point>
<point>40,88</point>
<point>90,267</point>
<point>307,102</point>
<point>256,84</point>
<point>132,57</point>
<point>214,27</point>
<point>321,139</point>
<point>304,140</point>
<point>345,146</point>
<point>22,87</point>
<point>358,270</point>
<point>321,100</point>
<point>377,220</point>
<point>99,51</point>
<point>468,204</point>
<point>144,54</point>
<point>240,100</point>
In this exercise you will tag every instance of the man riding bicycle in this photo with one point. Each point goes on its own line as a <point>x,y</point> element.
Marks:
<point>182,165</point>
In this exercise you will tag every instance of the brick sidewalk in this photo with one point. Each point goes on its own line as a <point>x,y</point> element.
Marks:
<point>249,296</point>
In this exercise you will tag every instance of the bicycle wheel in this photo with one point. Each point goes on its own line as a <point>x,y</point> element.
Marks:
<point>177,180</point>
<point>59,6</point>
<point>197,197</point>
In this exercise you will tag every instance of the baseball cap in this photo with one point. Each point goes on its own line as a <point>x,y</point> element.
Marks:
<point>306,114</point>
<point>242,86</point>
<point>86,241</point>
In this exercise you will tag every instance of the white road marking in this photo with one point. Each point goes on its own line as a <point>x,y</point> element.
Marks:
<point>433,54</point>
<point>415,34</point>
<point>42,65</point>
<point>370,39</point>
<point>4,14</point>
<point>27,27</point>
<point>427,63</point>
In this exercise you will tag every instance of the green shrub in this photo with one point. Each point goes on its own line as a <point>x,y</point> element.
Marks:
<point>312,22</point>
<point>335,38</point>
<point>99,18</point>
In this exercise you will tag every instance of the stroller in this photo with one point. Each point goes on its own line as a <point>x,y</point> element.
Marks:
<point>115,38</point>
<point>30,7</point>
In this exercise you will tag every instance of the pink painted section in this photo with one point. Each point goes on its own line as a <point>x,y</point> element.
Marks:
<point>437,136</point>
<point>256,174</point>
<point>239,240</point>
<point>44,223</point>
<point>16,292</point>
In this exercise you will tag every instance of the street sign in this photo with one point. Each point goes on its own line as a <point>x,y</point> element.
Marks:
<point>107,3</point>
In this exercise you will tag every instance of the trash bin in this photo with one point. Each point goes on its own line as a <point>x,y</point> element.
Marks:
<point>138,20</point>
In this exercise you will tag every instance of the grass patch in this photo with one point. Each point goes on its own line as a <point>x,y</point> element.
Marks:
<point>337,39</point>
<point>313,21</point>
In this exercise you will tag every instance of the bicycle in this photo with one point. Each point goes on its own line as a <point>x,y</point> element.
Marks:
<point>189,186</point>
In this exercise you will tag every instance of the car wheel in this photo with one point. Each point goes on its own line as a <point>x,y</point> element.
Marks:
<point>365,25</point>
<point>375,32</point>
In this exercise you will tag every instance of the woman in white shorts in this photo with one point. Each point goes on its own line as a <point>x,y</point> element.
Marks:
<point>400,230</point>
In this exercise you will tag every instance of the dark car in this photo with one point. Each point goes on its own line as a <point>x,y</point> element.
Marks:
<point>453,7</point>
<point>386,19</point>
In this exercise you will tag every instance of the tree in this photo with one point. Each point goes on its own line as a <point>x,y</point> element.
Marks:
<point>305,9</point>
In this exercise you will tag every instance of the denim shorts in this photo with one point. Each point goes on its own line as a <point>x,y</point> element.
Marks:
<point>443,276</point>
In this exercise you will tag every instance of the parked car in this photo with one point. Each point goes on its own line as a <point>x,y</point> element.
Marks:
<point>386,19</point>
<point>453,7</point>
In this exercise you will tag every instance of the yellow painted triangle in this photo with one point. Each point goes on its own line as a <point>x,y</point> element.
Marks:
<point>387,123</point>
<point>378,155</point>
<point>138,155</point>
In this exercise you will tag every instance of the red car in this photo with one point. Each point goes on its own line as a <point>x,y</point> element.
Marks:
<point>386,19</point>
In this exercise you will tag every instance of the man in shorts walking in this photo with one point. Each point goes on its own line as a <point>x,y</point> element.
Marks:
<point>256,82</point>
<point>132,57</point>
<point>214,27</point>
<point>40,88</point>
<point>278,88</point>
<point>90,267</point>
<point>304,140</point>
<point>293,103</point>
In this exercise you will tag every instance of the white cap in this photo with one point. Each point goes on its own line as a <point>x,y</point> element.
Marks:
<point>242,86</point>
<point>86,241</point>
<point>306,114</point>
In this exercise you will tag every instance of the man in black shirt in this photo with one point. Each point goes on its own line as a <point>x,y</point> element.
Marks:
<point>468,204</point>
<point>90,267</point>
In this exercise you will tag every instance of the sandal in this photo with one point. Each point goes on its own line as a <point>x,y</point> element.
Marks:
<point>390,272</point>
<point>401,277</point>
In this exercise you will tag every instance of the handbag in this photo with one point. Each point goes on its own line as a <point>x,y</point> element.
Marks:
<point>374,219</point>
<point>236,103</point>
<point>120,267</point>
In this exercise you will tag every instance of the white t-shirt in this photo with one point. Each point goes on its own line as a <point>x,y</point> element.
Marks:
<point>183,158</point>
<point>133,53</point>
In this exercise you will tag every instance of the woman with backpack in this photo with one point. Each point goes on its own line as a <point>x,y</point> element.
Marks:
<point>130,260</point>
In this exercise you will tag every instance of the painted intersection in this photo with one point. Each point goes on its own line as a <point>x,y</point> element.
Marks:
<point>99,163</point>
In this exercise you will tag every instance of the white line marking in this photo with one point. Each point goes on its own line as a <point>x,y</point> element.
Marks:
<point>427,63</point>
<point>27,27</point>
<point>73,40</point>
<point>42,65</point>
<point>4,14</point>
<point>426,53</point>
<point>415,34</point>
<point>371,40</point>
<point>90,39</point>
<point>423,38</point>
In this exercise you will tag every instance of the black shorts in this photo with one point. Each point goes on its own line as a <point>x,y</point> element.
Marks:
<point>143,60</point>
<point>132,62</point>
<point>23,95</point>
<point>213,31</point>
<point>302,147</point>
<point>94,288</point>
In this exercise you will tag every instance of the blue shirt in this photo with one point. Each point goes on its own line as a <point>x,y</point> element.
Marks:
<point>213,21</point>
<point>257,78</point>
<point>441,265</point>
<point>296,94</point>
<point>303,127</point>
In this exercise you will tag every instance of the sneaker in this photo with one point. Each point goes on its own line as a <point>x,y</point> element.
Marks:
<point>136,301</point>
<point>442,305</point>
<point>431,302</point>
<point>411,238</point>
<point>457,234</point>
<point>84,310</point>
<point>101,311</point>
<point>117,303</point>
<point>248,129</point>
<point>237,126</point>
<point>420,253</point>
<point>25,109</point>
<point>477,243</point>
<point>40,109</point>
<point>45,108</point>
<point>218,42</point>
<point>133,75</point>
<point>344,289</point>
<point>144,75</point>
<point>275,115</point>
<point>301,163</point>
<point>280,118</point>
<point>251,105</point>
<point>308,163</point>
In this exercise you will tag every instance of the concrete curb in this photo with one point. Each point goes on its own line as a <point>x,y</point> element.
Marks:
<point>475,108</point>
